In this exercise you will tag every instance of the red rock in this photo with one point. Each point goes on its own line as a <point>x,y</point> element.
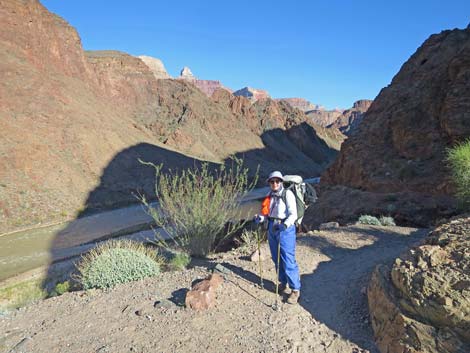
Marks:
<point>202,295</point>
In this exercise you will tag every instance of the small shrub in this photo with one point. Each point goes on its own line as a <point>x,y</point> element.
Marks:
<point>195,206</point>
<point>179,261</point>
<point>115,262</point>
<point>370,220</point>
<point>61,288</point>
<point>387,221</point>
<point>458,158</point>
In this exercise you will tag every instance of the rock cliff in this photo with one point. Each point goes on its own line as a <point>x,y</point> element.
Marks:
<point>324,117</point>
<point>252,93</point>
<point>74,124</point>
<point>400,145</point>
<point>350,119</point>
<point>301,103</point>
<point>156,66</point>
<point>208,87</point>
<point>422,304</point>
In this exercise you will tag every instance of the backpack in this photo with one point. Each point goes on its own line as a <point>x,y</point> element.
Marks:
<point>304,193</point>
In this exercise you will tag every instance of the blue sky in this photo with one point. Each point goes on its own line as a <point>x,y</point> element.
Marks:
<point>329,52</point>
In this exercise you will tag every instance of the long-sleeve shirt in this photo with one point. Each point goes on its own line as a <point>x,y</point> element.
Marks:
<point>279,209</point>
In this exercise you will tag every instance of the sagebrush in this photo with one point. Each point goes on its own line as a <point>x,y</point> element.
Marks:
<point>179,261</point>
<point>370,220</point>
<point>458,158</point>
<point>387,221</point>
<point>117,261</point>
<point>374,221</point>
<point>197,208</point>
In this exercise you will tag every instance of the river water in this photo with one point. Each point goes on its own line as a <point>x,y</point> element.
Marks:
<point>30,249</point>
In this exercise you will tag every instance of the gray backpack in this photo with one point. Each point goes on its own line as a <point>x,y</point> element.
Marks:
<point>304,193</point>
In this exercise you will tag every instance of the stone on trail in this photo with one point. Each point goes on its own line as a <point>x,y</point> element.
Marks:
<point>262,255</point>
<point>202,295</point>
<point>329,225</point>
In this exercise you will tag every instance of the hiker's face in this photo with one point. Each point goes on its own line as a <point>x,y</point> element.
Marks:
<point>275,184</point>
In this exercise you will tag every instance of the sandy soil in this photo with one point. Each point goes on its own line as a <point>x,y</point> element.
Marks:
<point>148,316</point>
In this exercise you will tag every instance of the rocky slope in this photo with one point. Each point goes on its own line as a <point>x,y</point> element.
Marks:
<point>422,304</point>
<point>301,103</point>
<point>252,94</point>
<point>75,123</point>
<point>350,119</point>
<point>324,117</point>
<point>400,145</point>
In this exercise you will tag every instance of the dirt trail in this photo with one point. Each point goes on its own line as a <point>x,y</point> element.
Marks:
<point>331,317</point>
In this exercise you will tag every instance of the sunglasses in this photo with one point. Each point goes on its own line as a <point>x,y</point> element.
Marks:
<point>275,181</point>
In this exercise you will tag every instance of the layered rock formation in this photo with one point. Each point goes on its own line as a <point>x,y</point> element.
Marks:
<point>301,103</point>
<point>422,304</point>
<point>252,93</point>
<point>208,87</point>
<point>75,124</point>
<point>350,119</point>
<point>400,145</point>
<point>324,117</point>
<point>156,66</point>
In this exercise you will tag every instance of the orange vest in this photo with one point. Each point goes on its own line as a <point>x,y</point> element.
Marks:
<point>265,205</point>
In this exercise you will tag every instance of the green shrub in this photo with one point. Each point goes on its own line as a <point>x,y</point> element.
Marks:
<point>387,221</point>
<point>116,262</point>
<point>196,205</point>
<point>179,261</point>
<point>61,288</point>
<point>458,158</point>
<point>370,220</point>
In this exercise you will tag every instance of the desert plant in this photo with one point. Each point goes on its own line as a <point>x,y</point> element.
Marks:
<point>387,221</point>
<point>117,261</point>
<point>62,287</point>
<point>458,158</point>
<point>370,220</point>
<point>196,206</point>
<point>179,261</point>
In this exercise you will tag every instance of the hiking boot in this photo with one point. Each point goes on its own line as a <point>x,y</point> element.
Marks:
<point>293,297</point>
<point>284,289</point>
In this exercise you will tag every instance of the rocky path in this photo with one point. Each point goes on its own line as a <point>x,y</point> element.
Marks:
<point>147,316</point>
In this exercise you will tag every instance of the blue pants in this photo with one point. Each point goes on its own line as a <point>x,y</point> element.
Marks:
<point>288,269</point>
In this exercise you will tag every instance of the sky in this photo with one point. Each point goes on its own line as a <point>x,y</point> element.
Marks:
<point>329,52</point>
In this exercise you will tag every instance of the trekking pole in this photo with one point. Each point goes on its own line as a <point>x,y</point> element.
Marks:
<point>276,303</point>
<point>258,236</point>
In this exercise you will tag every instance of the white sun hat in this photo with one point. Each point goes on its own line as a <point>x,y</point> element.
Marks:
<point>276,174</point>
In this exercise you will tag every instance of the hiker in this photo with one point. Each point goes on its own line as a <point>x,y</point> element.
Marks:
<point>281,217</point>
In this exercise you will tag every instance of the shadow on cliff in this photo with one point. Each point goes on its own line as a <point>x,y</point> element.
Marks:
<point>298,150</point>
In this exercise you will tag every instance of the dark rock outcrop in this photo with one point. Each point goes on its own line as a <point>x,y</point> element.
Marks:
<point>422,304</point>
<point>401,142</point>
<point>400,145</point>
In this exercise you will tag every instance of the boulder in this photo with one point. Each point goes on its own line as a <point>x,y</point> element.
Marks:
<point>202,295</point>
<point>422,303</point>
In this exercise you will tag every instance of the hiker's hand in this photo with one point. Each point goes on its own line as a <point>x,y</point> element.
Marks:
<point>279,227</point>
<point>258,219</point>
